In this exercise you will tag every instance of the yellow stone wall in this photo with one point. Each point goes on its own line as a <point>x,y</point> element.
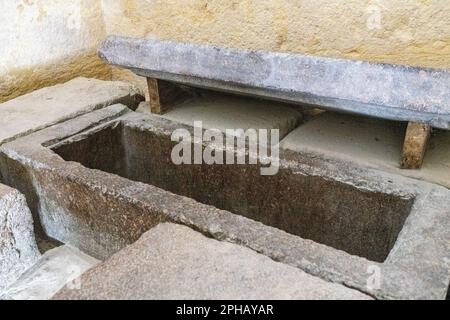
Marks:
<point>414,32</point>
<point>44,42</point>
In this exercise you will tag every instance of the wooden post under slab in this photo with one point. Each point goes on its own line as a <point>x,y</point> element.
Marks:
<point>415,145</point>
<point>164,95</point>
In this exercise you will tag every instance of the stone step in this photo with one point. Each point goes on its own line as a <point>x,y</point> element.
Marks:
<point>18,249</point>
<point>175,262</point>
<point>51,105</point>
<point>57,268</point>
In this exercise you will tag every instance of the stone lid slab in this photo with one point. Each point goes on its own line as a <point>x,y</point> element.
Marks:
<point>380,90</point>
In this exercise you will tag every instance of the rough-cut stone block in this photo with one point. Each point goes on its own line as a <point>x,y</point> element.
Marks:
<point>223,112</point>
<point>56,268</point>
<point>18,249</point>
<point>369,142</point>
<point>51,105</point>
<point>175,262</point>
<point>24,183</point>
<point>374,89</point>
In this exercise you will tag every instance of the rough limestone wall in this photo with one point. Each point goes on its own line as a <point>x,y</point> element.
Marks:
<point>44,42</point>
<point>50,41</point>
<point>415,32</point>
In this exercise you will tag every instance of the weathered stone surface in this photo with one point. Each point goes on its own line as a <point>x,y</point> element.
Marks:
<point>379,90</point>
<point>56,268</point>
<point>370,143</point>
<point>383,31</point>
<point>175,262</point>
<point>46,43</point>
<point>18,250</point>
<point>415,145</point>
<point>24,182</point>
<point>164,95</point>
<point>51,105</point>
<point>232,112</point>
<point>340,197</point>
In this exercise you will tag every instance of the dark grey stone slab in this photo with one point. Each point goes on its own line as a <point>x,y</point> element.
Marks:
<point>380,90</point>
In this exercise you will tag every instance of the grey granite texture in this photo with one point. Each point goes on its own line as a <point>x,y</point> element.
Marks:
<point>58,267</point>
<point>175,262</point>
<point>101,202</point>
<point>380,90</point>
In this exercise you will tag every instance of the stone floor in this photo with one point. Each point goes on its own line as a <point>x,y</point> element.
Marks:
<point>222,111</point>
<point>371,143</point>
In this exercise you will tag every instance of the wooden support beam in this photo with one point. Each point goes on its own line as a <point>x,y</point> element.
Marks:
<point>164,95</point>
<point>415,145</point>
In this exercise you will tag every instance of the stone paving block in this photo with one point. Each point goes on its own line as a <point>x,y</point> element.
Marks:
<point>18,249</point>
<point>218,111</point>
<point>175,262</point>
<point>56,268</point>
<point>51,105</point>
<point>370,142</point>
